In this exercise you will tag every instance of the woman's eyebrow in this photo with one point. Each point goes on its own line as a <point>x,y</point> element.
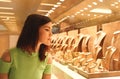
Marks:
<point>48,27</point>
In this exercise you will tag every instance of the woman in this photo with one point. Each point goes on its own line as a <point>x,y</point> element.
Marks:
<point>29,60</point>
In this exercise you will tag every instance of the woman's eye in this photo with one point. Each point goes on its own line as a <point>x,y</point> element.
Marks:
<point>47,29</point>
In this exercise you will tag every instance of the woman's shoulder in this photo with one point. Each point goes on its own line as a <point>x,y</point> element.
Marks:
<point>49,59</point>
<point>6,56</point>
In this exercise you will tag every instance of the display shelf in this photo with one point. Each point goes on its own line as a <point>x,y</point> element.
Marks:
<point>110,74</point>
<point>63,72</point>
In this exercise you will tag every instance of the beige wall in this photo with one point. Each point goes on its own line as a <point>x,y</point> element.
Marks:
<point>4,43</point>
<point>7,41</point>
<point>92,32</point>
<point>13,40</point>
<point>109,28</point>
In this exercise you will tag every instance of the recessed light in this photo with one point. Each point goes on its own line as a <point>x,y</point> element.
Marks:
<point>89,6</point>
<point>59,3</point>
<point>53,8</point>
<point>46,4</point>
<point>88,14</point>
<point>7,16</point>
<point>8,13</point>
<point>85,8</point>
<point>81,10</point>
<point>61,0</point>
<point>112,4</point>
<point>101,0</point>
<point>42,10</point>
<point>56,5</point>
<point>117,6</point>
<point>6,8</point>
<point>94,3</point>
<point>116,2</point>
<point>5,1</point>
<point>99,10</point>
<point>82,14</point>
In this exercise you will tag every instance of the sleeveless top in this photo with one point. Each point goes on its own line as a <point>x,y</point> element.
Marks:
<point>24,65</point>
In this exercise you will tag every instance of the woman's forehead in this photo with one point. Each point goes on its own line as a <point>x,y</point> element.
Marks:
<point>48,25</point>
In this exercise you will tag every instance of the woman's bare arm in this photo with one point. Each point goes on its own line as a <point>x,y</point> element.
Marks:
<point>48,76</point>
<point>5,57</point>
<point>3,76</point>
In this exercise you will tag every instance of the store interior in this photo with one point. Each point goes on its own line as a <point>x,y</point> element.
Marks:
<point>86,34</point>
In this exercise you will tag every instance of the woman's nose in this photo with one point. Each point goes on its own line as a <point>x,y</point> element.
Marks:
<point>51,33</point>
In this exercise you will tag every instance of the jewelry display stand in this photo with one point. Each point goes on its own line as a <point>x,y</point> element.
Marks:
<point>98,50</point>
<point>85,43</point>
<point>115,42</point>
<point>115,39</point>
<point>79,43</point>
<point>108,58</point>
<point>98,44</point>
<point>100,37</point>
<point>86,63</point>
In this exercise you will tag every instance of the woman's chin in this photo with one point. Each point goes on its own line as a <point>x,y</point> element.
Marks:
<point>48,44</point>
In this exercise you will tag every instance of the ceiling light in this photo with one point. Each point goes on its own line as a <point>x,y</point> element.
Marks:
<point>112,4</point>
<point>5,8</point>
<point>81,10</point>
<point>47,14</point>
<point>7,16</point>
<point>51,11</point>
<point>115,2</point>
<point>55,5</point>
<point>46,4</point>
<point>8,19</point>
<point>82,14</point>
<point>43,10</point>
<point>85,8</point>
<point>77,13</point>
<point>88,14</point>
<point>8,13</point>
<point>53,8</point>
<point>94,3</point>
<point>5,1</point>
<point>61,0</point>
<point>117,6</point>
<point>89,6</point>
<point>101,0</point>
<point>98,10</point>
<point>59,3</point>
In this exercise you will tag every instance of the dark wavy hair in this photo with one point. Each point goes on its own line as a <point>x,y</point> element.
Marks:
<point>29,36</point>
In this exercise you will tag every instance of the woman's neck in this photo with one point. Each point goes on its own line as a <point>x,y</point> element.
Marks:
<point>37,47</point>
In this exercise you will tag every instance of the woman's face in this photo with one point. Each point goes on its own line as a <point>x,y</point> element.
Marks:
<point>45,33</point>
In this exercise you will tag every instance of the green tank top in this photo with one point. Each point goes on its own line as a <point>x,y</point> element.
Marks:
<point>24,65</point>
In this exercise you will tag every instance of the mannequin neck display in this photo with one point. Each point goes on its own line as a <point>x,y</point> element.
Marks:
<point>115,38</point>
<point>86,39</point>
<point>76,43</point>
<point>108,57</point>
<point>80,37</point>
<point>96,54</point>
<point>100,36</point>
<point>71,41</point>
<point>85,43</point>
